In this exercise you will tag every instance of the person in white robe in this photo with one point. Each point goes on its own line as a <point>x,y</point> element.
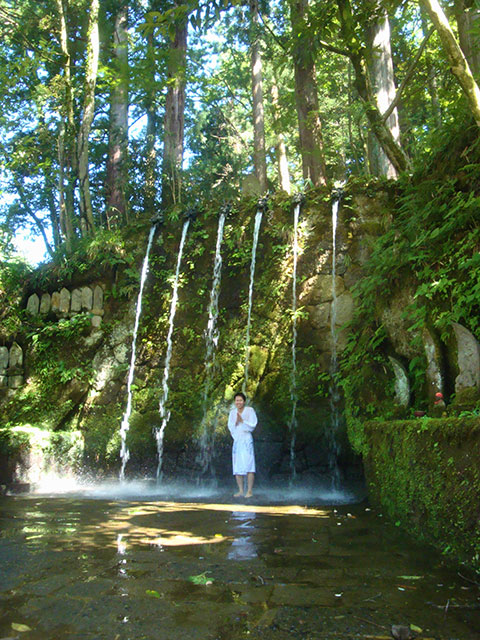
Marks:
<point>242,420</point>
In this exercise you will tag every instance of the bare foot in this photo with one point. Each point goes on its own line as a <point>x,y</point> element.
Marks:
<point>238,495</point>
<point>249,494</point>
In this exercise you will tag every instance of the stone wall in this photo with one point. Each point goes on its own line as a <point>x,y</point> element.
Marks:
<point>424,475</point>
<point>11,366</point>
<point>66,302</point>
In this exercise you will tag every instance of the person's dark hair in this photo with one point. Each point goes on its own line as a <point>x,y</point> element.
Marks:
<point>242,395</point>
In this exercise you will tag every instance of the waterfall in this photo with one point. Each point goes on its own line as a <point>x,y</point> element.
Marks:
<point>293,378</point>
<point>333,445</point>
<point>256,232</point>
<point>207,435</point>
<point>165,415</point>
<point>125,426</point>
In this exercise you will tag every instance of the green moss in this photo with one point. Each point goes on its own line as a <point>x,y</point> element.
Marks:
<point>425,474</point>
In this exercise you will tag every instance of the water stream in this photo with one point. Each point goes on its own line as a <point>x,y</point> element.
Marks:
<point>256,232</point>
<point>164,414</point>
<point>332,432</point>
<point>293,376</point>
<point>125,426</point>
<point>207,433</point>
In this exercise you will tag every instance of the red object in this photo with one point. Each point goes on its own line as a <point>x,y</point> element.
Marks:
<point>419,414</point>
<point>439,395</point>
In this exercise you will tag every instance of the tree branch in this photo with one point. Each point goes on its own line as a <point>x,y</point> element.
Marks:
<point>407,77</point>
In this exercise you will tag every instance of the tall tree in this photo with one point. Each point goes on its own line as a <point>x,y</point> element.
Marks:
<point>380,67</point>
<point>259,157</point>
<point>93,49</point>
<point>174,119</point>
<point>356,52</point>
<point>458,62</point>
<point>280,147</point>
<point>67,157</point>
<point>309,124</point>
<point>467,14</point>
<point>116,208</point>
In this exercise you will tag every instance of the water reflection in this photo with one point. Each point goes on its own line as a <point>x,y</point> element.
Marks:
<point>243,546</point>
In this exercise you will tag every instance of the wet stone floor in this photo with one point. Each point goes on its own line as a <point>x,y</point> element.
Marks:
<point>82,567</point>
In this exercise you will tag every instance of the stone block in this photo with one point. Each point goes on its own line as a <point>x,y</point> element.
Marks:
<point>15,382</point>
<point>96,321</point>
<point>468,359</point>
<point>344,308</point>
<point>56,301</point>
<point>3,381</point>
<point>402,384</point>
<point>76,302</point>
<point>319,289</point>
<point>16,355</point>
<point>65,297</point>
<point>45,303</point>
<point>3,357</point>
<point>319,315</point>
<point>98,298</point>
<point>87,298</point>
<point>433,372</point>
<point>33,304</point>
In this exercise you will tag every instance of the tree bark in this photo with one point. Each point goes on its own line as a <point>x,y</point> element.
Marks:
<point>259,157</point>
<point>67,162</point>
<point>174,118</point>
<point>458,62</point>
<point>468,17</point>
<point>306,95</point>
<point>151,134</point>
<point>383,134</point>
<point>29,211</point>
<point>116,208</point>
<point>93,45</point>
<point>380,66</point>
<point>281,150</point>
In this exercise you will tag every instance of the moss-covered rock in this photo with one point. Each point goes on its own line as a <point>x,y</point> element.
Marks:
<point>425,475</point>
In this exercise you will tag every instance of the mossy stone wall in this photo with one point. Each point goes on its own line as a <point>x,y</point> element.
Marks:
<point>425,475</point>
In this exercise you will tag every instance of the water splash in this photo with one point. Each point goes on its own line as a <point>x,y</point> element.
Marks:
<point>125,426</point>
<point>332,432</point>
<point>256,232</point>
<point>165,415</point>
<point>206,440</point>
<point>293,378</point>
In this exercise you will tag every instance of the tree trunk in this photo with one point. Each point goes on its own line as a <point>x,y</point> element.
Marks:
<point>151,137</point>
<point>67,163</point>
<point>380,66</point>
<point>116,210</point>
<point>431,78</point>
<point>29,211</point>
<point>309,124</point>
<point>174,118</point>
<point>458,62</point>
<point>383,134</point>
<point>259,157</point>
<point>86,214</point>
<point>468,18</point>
<point>282,161</point>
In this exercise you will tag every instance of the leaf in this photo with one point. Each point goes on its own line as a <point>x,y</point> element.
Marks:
<point>153,594</point>
<point>411,577</point>
<point>201,578</point>
<point>415,629</point>
<point>17,626</point>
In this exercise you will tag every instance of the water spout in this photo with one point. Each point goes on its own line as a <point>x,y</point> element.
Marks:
<point>332,432</point>
<point>125,426</point>
<point>297,200</point>
<point>207,435</point>
<point>165,415</point>
<point>261,206</point>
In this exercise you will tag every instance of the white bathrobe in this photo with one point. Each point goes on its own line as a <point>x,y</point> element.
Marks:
<point>243,456</point>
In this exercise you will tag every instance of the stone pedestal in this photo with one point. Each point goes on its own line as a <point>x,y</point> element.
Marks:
<point>33,304</point>
<point>45,303</point>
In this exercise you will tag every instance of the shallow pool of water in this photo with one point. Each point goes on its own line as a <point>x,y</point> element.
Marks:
<point>131,561</point>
